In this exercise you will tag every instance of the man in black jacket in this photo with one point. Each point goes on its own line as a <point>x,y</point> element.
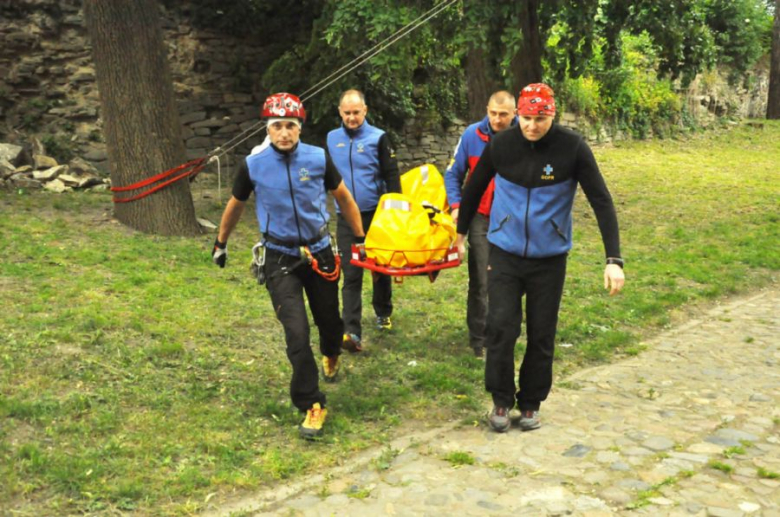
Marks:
<point>536,171</point>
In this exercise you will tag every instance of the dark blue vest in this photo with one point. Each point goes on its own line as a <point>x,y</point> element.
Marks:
<point>356,156</point>
<point>290,197</point>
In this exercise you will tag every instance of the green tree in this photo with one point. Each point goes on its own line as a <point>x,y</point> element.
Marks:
<point>773,102</point>
<point>417,76</point>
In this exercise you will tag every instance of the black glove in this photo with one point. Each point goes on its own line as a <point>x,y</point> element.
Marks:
<point>360,240</point>
<point>219,253</point>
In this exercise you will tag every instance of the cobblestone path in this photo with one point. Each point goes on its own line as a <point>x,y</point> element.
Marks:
<point>689,427</point>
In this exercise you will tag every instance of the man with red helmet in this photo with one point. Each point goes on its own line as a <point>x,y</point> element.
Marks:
<point>290,181</point>
<point>500,115</point>
<point>536,170</point>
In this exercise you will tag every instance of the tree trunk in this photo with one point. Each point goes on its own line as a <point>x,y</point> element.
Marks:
<point>527,63</point>
<point>773,102</point>
<point>480,83</point>
<point>140,120</point>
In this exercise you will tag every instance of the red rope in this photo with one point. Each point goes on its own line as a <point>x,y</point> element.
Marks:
<point>330,277</point>
<point>191,168</point>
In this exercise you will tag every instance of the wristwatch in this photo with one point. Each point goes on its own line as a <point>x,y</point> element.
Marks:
<point>613,260</point>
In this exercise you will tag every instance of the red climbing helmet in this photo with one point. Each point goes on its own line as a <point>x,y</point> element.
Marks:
<point>283,105</point>
<point>536,99</point>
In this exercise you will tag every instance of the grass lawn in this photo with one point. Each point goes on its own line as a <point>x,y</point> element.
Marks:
<point>137,376</point>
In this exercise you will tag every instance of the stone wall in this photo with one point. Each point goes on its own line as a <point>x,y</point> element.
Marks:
<point>47,80</point>
<point>47,87</point>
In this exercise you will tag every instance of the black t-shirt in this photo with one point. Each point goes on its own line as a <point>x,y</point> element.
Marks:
<point>243,187</point>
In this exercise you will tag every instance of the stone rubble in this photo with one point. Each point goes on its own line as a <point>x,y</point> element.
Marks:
<point>19,170</point>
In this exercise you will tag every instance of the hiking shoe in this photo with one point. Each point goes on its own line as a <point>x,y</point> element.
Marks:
<point>351,343</point>
<point>330,368</point>
<point>312,426</point>
<point>499,419</point>
<point>384,323</point>
<point>529,420</point>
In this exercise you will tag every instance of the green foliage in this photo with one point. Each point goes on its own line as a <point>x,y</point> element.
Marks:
<point>415,77</point>
<point>630,95</point>
<point>742,32</point>
<point>609,59</point>
<point>581,95</point>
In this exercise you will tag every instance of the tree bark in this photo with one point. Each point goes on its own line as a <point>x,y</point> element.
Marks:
<point>140,120</point>
<point>773,102</point>
<point>527,63</point>
<point>480,83</point>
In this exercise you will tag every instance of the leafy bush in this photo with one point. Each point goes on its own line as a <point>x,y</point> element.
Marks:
<point>630,96</point>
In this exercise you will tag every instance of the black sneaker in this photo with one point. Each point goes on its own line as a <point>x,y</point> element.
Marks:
<point>529,420</point>
<point>384,323</point>
<point>499,419</point>
<point>479,351</point>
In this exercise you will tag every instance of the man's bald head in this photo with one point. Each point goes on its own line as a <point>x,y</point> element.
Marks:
<point>501,110</point>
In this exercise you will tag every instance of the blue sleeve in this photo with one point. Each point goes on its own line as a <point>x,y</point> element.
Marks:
<point>455,174</point>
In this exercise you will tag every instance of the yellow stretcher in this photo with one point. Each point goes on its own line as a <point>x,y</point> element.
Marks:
<point>411,234</point>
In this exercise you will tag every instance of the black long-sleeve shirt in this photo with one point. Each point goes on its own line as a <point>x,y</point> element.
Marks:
<point>388,165</point>
<point>524,163</point>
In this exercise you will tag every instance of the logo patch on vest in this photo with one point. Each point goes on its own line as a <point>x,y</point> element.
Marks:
<point>341,144</point>
<point>360,147</point>
<point>547,172</point>
<point>303,174</point>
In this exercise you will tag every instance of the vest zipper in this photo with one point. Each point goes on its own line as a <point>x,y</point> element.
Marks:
<point>292,198</point>
<point>352,173</point>
<point>527,210</point>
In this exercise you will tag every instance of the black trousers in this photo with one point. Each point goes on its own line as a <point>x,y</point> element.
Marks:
<point>476,308</point>
<point>286,287</point>
<point>510,277</point>
<point>351,292</point>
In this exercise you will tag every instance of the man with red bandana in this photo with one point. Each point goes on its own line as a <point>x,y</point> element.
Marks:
<point>500,115</point>
<point>536,169</point>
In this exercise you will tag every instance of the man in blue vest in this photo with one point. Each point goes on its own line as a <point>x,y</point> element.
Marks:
<point>500,115</point>
<point>366,161</point>
<point>536,169</point>
<point>290,181</point>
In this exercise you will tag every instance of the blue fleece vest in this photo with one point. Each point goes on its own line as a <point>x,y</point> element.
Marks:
<point>356,156</point>
<point>290,197</point>
<point>532,222</point>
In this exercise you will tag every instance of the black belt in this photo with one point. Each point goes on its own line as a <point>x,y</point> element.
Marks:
<point>290,244</point>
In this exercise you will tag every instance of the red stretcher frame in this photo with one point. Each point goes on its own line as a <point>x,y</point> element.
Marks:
<point>431,269</point>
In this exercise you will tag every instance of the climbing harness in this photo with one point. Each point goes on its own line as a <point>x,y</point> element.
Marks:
<point>330,277</point>
<point>305,258</point>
